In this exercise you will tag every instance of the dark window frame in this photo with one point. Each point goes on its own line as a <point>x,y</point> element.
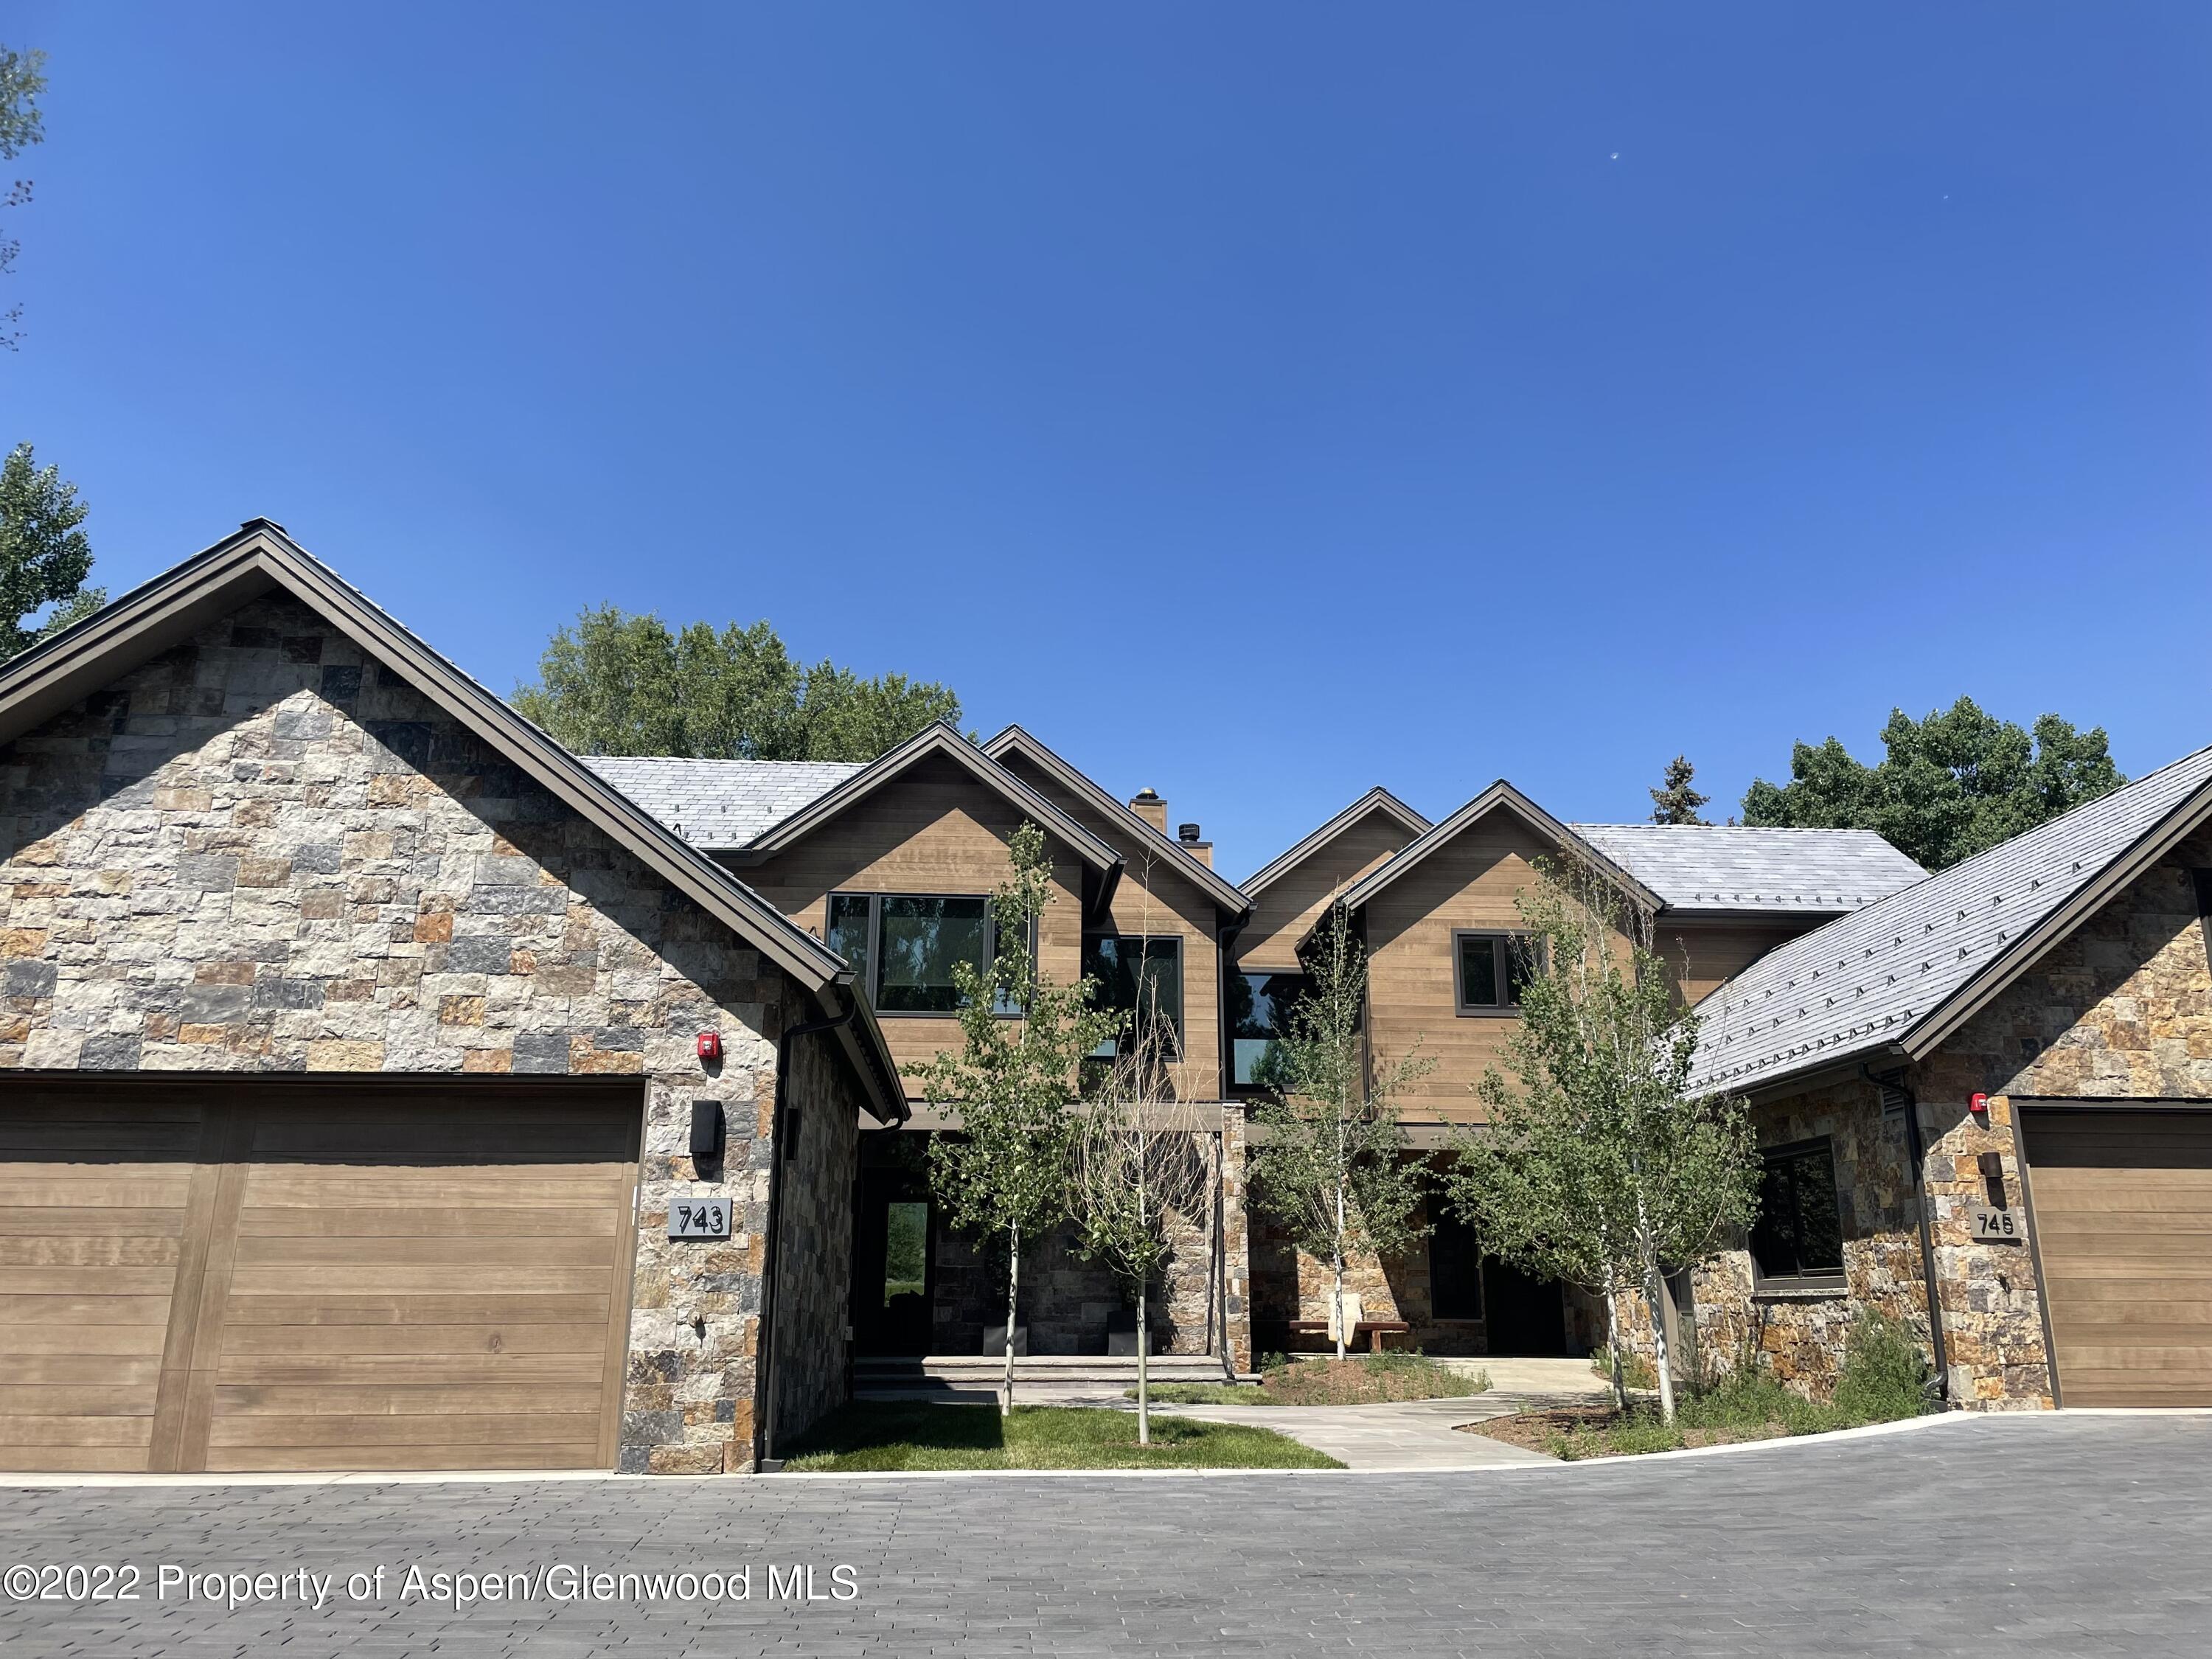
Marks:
<point>1804,1278</point>
<point>1510,938</point>
<point>1239,1090</point>
<point>873,988</point>
<point>1107,1049</point>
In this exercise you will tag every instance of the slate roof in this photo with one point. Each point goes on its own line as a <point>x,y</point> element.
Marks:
<point>720,804</point>
<point>1723,867</point>
<point>1899,974</point>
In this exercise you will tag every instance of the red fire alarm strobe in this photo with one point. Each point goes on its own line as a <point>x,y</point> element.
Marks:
<point>710,1045</point>
<point>1978,1104</point>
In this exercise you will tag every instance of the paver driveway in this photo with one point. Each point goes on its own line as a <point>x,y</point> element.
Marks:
<point>1996,1538</point>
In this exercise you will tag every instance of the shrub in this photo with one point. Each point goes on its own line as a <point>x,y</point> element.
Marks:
<point>1885,1376</point>
<point>1636,1370</point>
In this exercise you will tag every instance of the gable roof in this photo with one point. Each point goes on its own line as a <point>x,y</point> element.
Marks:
<point>1141,833</point>
<point>1501,796</point>
<point>1905,973</point>
<point>720,804</point>
<point>940,740</point>
<point>1720,868</point>
<point>261,558</point>
<point>1377,799</point>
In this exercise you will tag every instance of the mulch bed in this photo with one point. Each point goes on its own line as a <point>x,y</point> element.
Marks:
<point>1542,1431</point>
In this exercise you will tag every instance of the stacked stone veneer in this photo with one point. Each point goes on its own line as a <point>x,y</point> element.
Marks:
<point>262,852</point>
<point>814,1267</point>
<point>2121,1009</point>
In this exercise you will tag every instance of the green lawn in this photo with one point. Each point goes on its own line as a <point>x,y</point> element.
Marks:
<point>891,1435</point>
<point>1364,1380</point>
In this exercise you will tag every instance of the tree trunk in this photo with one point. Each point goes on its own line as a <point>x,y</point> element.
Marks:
<point>1661,1358</point>
<point>1613,1339</point>
<point>1336,1269</point>
<point>1144,1351</point>
<point>1014,1288</point>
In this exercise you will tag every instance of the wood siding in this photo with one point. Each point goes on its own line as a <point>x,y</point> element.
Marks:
<point>281,1277</point>
<point>934,829</point>
<point>1470,882</point>
<point>1285,911</point>
<point>1704,956</point>
<point>1154,897</point>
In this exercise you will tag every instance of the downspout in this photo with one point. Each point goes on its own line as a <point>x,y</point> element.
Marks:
<point>764,1457</point>
<point>1916,1150</point>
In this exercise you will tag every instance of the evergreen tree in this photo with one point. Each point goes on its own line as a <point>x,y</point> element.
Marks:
<point>1676,801</point>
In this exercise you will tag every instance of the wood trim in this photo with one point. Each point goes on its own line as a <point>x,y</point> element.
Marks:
<point>2035,1253</point>
<point>622,1295</point>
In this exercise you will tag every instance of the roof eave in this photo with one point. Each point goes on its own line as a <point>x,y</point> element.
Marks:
<point>1376,799</point>
<point>1224,893</point>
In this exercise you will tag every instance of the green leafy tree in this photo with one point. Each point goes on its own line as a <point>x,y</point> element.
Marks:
<point>1005,1175</point>
<point>43,555</point>
<point>616,684</point>
<point>1954,784</point>
<point>22,124</point>
<point>1333,1164</point>
<point>1677,801</point>
<point>1602,1167</point>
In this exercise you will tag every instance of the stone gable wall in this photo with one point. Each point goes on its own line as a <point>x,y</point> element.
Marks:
<point>2121,1009</point>
<point>262,852</point>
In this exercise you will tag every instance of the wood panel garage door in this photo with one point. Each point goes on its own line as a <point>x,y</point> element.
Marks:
<point>296,1276</point>
<point>2123,1204</point>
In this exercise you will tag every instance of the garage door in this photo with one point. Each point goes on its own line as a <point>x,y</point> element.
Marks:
<point>2124,1226</point>
<point>305,1277</point>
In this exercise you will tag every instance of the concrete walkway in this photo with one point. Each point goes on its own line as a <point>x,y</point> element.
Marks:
<point>1424,1434</point>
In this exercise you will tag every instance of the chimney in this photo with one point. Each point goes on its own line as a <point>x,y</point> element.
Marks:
<point>1150,808</point>
<point>1201,850</point>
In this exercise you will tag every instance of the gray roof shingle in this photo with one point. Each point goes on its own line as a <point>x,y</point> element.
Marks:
<point>1869,980</point>
<point>1725,867</point>
<point>720,804</point>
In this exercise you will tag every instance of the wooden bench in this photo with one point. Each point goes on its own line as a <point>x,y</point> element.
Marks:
<point>1373,1330</point>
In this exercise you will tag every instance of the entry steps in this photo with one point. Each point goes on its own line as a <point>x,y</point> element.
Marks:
<point>913,1377</point>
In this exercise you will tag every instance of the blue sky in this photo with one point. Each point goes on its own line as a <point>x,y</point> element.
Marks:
<point>1258,403</point>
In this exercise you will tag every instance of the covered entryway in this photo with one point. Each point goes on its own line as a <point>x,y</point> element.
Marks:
<point>2122,1196</point>
<point>258,1275</point>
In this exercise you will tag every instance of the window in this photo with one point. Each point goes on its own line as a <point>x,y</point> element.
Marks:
<point>903,946</point>
<point>1799,1232</point>
<point>1259,1016</point>
<point>1454,1271</point>
<point>1489,969</point>
<point>1137,976</point>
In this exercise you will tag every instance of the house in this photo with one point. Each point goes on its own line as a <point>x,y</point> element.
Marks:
<point>363,1054</point>
<point>1985,1107</point>
<point>891,865</point>
<point>1436,907</point>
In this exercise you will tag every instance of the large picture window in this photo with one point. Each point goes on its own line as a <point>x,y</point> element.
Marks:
<point>1489,970</point>
<point>1259,1018</point>
<point>1799,1236</point>
<point>1141,977</point>
<point>905,946</point>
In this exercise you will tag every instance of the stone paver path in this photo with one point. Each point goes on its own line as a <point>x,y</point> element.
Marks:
<point>1998,1538</point>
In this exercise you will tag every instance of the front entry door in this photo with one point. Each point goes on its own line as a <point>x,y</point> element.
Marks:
<point>1525,1317</point>
<point>894,1263</point>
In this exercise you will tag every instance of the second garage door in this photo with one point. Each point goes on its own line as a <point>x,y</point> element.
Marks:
<point>2122,1201</point>
<point>303,1277</point>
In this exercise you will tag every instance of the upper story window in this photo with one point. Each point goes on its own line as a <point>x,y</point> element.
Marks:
<point>1489,970</point>
<point>1140,977</point>
<point>905,946</point>
<point>1259,1015</point>
<point>1800,1233</point>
